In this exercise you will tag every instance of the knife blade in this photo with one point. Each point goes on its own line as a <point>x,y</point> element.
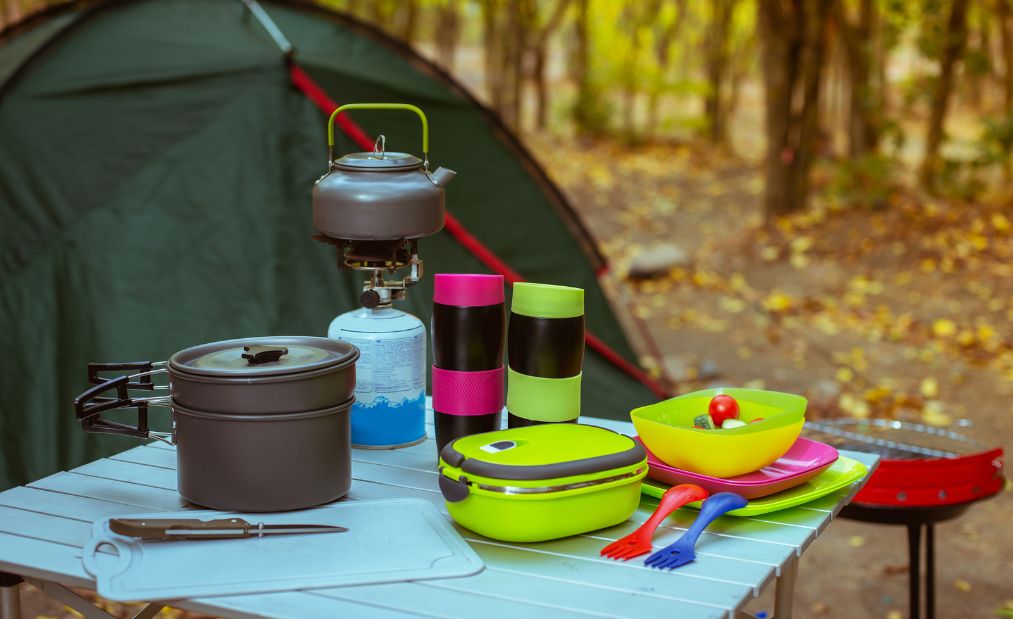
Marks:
<point>167,529</point>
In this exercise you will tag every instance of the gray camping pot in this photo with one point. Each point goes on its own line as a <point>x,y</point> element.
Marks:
<point>259,424</point>
<point>260,375</point>
<point>263,463</point>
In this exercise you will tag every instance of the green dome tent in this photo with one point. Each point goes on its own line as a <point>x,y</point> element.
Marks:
<point>156,163</point>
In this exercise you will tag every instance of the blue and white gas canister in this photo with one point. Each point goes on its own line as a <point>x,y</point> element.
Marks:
<point>390,376</point>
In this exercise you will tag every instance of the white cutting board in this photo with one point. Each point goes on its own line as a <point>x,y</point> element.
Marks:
<point>392,540</point>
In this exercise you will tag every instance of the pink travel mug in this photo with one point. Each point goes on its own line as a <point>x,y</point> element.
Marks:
<point>469,334</point>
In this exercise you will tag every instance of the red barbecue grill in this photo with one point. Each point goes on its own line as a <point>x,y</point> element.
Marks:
<point>926,475</point>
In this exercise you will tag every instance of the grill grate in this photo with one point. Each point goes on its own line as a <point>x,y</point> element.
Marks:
<point>898,440</point>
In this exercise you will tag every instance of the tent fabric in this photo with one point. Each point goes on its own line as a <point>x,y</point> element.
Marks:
<point>156,166</point>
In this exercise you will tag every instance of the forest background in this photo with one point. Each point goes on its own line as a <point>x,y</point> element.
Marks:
<point>806,195</point>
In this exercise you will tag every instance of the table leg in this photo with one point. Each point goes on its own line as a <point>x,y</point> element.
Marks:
<point>10,596</point>
<point>930,572</point>
<point>914,548</point>
<point>784,595</point>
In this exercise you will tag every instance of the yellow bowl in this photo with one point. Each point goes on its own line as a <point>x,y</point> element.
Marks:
<point>666,428</point>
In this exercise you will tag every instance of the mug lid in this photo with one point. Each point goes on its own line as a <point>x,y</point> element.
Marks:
<point>264,356</point>
<point>467,289</point>
<point>547,300</point>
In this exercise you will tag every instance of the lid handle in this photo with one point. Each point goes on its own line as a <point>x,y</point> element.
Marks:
<point>263,354</point>
<point>379,106</point>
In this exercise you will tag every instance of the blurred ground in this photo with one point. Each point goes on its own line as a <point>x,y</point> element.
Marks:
<point>904,312</point>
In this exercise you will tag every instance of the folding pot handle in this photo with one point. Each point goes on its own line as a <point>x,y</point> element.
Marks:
<point>90,405</point>
<point>141,370</point>
<point>379,106</point>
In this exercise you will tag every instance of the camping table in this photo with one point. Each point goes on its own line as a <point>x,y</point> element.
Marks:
<point>44,525</point>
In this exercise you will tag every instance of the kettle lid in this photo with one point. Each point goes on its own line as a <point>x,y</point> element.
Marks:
<point>377,162</point>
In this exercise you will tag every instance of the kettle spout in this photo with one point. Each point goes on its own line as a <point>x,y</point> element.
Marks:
<point>442,177</point>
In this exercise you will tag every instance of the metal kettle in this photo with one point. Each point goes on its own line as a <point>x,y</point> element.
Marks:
<point>379,195</point>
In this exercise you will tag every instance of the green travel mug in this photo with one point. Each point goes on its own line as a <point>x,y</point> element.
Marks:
<point>545,348</point>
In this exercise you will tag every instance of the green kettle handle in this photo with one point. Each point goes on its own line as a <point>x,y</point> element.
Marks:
<point>379,106</point>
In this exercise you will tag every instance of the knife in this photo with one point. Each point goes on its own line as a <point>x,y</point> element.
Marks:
<point>193,529</point>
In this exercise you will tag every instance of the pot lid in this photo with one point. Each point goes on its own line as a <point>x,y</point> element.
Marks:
<point>378,161</point>
<point>264,356</point>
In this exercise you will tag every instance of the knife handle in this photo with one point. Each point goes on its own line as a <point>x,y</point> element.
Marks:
<point>162,528</point>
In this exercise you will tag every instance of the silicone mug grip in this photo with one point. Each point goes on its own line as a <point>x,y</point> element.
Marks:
<point>543,399</point>
<point>468,393</point>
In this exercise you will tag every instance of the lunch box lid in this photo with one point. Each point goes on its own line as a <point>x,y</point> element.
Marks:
<point>542,452</point>
<point>264,356</point>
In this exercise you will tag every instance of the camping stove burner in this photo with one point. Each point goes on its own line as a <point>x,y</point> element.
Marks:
<point>377,257</point>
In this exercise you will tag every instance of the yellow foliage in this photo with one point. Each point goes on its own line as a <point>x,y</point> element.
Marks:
<point>1000,222</point>
<point>778,301</point>
<point>853,406</point>
<point>944,327</point>
<point>933,414</point>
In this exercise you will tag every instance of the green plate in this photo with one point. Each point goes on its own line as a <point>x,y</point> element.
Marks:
<point>841,474</point>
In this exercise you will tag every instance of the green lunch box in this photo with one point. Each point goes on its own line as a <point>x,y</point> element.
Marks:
<point>536,483</point>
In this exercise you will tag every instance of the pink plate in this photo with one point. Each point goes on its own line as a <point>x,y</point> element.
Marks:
<point>803,461</point>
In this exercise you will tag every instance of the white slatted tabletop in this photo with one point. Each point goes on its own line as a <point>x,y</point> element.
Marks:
<point>43,527</point>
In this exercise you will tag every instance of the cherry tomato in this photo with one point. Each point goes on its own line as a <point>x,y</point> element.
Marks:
<point>723,407</point>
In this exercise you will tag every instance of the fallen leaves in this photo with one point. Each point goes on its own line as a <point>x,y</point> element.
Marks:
<point>778,301</point>
<point>933,414</point>
<point>892,313</point>
<point>944,327</point>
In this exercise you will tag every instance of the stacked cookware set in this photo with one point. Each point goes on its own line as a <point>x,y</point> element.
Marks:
<point>268,423</point>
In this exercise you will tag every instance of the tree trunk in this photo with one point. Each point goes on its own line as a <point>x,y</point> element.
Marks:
<point>976,82</point>
<point>1004,11</point>
<point>491,54</point>
<point>741,64</point>
<point>663,55</point>
<point>716,63</point>
<point>814,37</point>
<point>409,26</point>
<point>629,76</point>
<point>512,61</point>
<point>794,40</point>
<point>448,33</point>
<point>380,13</point>
<point>1005,19</point>
<point>540,61</point>
<point>864,107</point>
<point>583,108</point>
<point>956,38</point>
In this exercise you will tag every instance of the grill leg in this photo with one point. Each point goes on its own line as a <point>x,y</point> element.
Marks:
<point>10,596</point>
<point>914,547</point>
<point>930,572</point>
